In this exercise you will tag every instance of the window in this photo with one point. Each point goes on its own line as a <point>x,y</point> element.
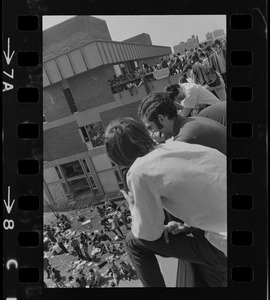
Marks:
<point>92,182</point>
<point>94,186</point>
<point>44,119</point>
<point>65,187</point>
<point>79,186</point>
<point>70,100</point>
<point>84,134</point>
<point>72,169</point>
<point>119,180</point>
<point>94,133</point>
<point>58,172</point>
<point>86,166</point>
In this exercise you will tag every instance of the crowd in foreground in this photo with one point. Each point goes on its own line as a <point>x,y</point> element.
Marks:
<point>175,159</point>
<point>89,247</point>
<point>176,178</point>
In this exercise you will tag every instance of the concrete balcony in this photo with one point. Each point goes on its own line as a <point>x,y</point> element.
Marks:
<point>138,93</point>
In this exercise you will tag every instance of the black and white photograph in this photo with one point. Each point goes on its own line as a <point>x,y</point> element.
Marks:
<point>134,135</point>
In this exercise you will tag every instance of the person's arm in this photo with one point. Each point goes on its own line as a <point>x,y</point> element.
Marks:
<point>189,102</point>
<point>145,206</point>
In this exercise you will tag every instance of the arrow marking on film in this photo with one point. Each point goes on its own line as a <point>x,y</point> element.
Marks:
<point>7,56</point>
<point>8,205</point>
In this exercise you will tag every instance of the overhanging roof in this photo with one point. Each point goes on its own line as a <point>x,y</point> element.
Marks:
<point>95,54</point>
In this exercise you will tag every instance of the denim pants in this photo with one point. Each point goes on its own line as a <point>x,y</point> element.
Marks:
<point>196,249</point>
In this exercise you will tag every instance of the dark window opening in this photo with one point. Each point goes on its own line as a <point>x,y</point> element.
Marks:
<point>86,166</point>
<point>58,173</point>
<point>72,169</point>
<point>70,100</point>
<point>84,134</point>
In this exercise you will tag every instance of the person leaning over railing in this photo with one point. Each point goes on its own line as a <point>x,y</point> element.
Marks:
<point>187,180</point>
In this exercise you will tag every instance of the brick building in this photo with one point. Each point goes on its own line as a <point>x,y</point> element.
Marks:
<point>79,58</point>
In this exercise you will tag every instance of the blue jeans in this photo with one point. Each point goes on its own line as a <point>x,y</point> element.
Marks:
<point>211,262</point>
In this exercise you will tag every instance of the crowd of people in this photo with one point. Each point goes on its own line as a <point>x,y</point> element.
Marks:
<point>106,248</point>
<point>205,64</point>
<point>175,161</point>
<point>176,178</point>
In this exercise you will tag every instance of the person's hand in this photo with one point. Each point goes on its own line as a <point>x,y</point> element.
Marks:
<point>174,228</point>
<point>159,137</point>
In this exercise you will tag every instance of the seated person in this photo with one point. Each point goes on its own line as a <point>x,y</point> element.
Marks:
<point>192,97</point>
<point>216,112</point>
<point>56,250</point>
<point>126,270</point>
<point>94,238</point>
<point>159,115</point>
<point>72,283</point>
<point>115,272</point>
<point>94,278</point>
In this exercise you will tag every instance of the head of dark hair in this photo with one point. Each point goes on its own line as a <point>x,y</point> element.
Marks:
<point>154,104</point>
<point>208,49</point>
<point>172,90</point>
<point>187,67</point>
<point>183,79</point>
<point>126,140</point>
<point>217,42</point>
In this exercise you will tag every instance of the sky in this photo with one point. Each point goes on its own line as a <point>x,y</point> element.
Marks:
<point>164,30</point>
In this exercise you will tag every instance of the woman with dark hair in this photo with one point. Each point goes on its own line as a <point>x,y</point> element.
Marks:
<point>187,180</point>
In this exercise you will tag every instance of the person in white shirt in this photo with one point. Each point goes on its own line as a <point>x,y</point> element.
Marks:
<point>191,97</point>
<point>187,180</point>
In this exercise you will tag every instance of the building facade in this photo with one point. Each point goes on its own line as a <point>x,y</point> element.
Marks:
<point>216,34</point>
<point>78,104</point>
<point>191,43</point>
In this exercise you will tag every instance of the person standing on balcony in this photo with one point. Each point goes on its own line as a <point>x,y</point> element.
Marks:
<point>215,62</point>
<point>210,79</point>
<point>187,180</point>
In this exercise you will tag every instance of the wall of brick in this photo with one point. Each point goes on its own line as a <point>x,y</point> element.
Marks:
<point>91,89</point>
<point>73,31</point>
<point>54,103</point>
<point>129,110</point>
<point>62,141</point>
